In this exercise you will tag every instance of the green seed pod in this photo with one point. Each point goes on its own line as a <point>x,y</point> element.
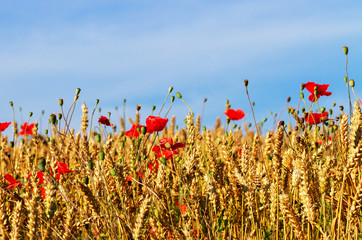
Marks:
<point>345,79</point>
<point>11,103</point>
<point>97,138</point>
<point>170,89</point>
<point>60,101</point>
<point>101,155</point>
<point>77,91</point>
<point>163,160</point>
<point>46,131</point>
<point>153,108</point>
<point>113,172</point>
<point>90,165</point>
<point>323,109</point>
<point>204,128</point>
<point>143,130</point>
<point>53,119</point>
<point>11,144</point>
<point>97,101</point>
<point>30,114</point>
<point>172,98</point>
<point>352,83</point>
<point>60,116</point>
<point>301,95</point>
<point>85,180</point>
<point>178,94</point>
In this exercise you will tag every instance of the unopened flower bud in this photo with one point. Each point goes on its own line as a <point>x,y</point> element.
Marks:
<point>345,79</point>
<point>60,101</point>
<point>170,89</point>
<point>178,94</point>
<point>153,108</point>
<point>53,118</point>
<point>101,155</point>
<point>97,101</point>
<point>143,130</point>
<point>60,116</point>
<point>341,107</point>
<point>301,95</point>
<point>351,83</point>
<point>138,107</point>
<point>30,114</point>
<point>345,50</point>
<point>172,98</point>
<point>77,91</point>
<point>98,138</point>
<point>11,103</point>
<point>288,99</point>
<point>205,100</point>
<point>246,82</point>
<point>113,172</point>
<point>323,109</point>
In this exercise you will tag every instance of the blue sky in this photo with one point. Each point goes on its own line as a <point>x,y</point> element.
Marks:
<point>137,49</point>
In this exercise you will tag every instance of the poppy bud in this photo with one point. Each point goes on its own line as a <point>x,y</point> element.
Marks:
<point>77,91</point>
<point>60,116</point>
<point>334,104</point>
<point>163,160</point>
<point>60,101</point>
<point>98,138</point>
<point>289,109</point>
<point>172,98</point>
<point>330,111</point>
<point>42,112</point>
<point>246,82</point>
<point>323,109</point>
<point>234,126</point>
<point>265,119</point>
<point>53,118</point>
<point>143,130</point>
<point>90,165</point>
<point>345,50</point>
<point>253,103</point>
<point>30,114</point>
<point>288,99</point>
<point>281,123</point>
<point>341,107</point>
<point>303,109</point>
<point>302,86</point>
<point>227,120</point>
<point>11,144</point>
<point>178,94</point>
<point>11,103</point>
<point>153,108</point>
<point>101,155</point>
<point>345,79</point>
<point>331,129</point>
<point>351,83</point>
<point>170,89</point>
<point>138,107</point>
<point>301,95</point>
<point>227,101</point>
<point>205,100</point>
<point>249,125</point>
<point>46,131</point>
<point>113,172</point>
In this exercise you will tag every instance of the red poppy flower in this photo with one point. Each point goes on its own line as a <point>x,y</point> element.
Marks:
<point>135,131</point>
<point>40,176</point>
<point>42,192</point>
<point>315,118</point>
<point>26,129</point>
<point>167,149</point>
<point>182,207</point>
<point>129,180</point>
<point>156,124</point>
<point>105,121</point>
<point>151,165</point>
<point>4,126</point>
<point>321,90</point>
<point>12,181</point>
<point>140,173</point>
<point>63,168</point>
<point>235,114</point>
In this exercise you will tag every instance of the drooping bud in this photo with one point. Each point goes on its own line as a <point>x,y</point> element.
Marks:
<point>352,83</point>
<point>178,94</point>
<point>341,107</point>
<point>302,86</point>
<point>288,99</point>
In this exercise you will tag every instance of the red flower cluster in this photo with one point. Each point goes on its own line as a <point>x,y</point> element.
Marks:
<point>156,124</point>
<point>26,129</point>
<point>4,126</point>
<point>316,118</point>
<point>321,90</point>
<point>105,121</point>
<point>135,131</point>
<point>182,207</point>
<point>235,114</point>
<point>167,148</point>
<point>151,165</point>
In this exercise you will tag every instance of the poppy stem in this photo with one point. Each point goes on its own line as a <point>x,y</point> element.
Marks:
<point>356,96</point>
<point>95,107</point>
<point>164,102</point>
<point>349,94</point>
<point>252,111</point>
